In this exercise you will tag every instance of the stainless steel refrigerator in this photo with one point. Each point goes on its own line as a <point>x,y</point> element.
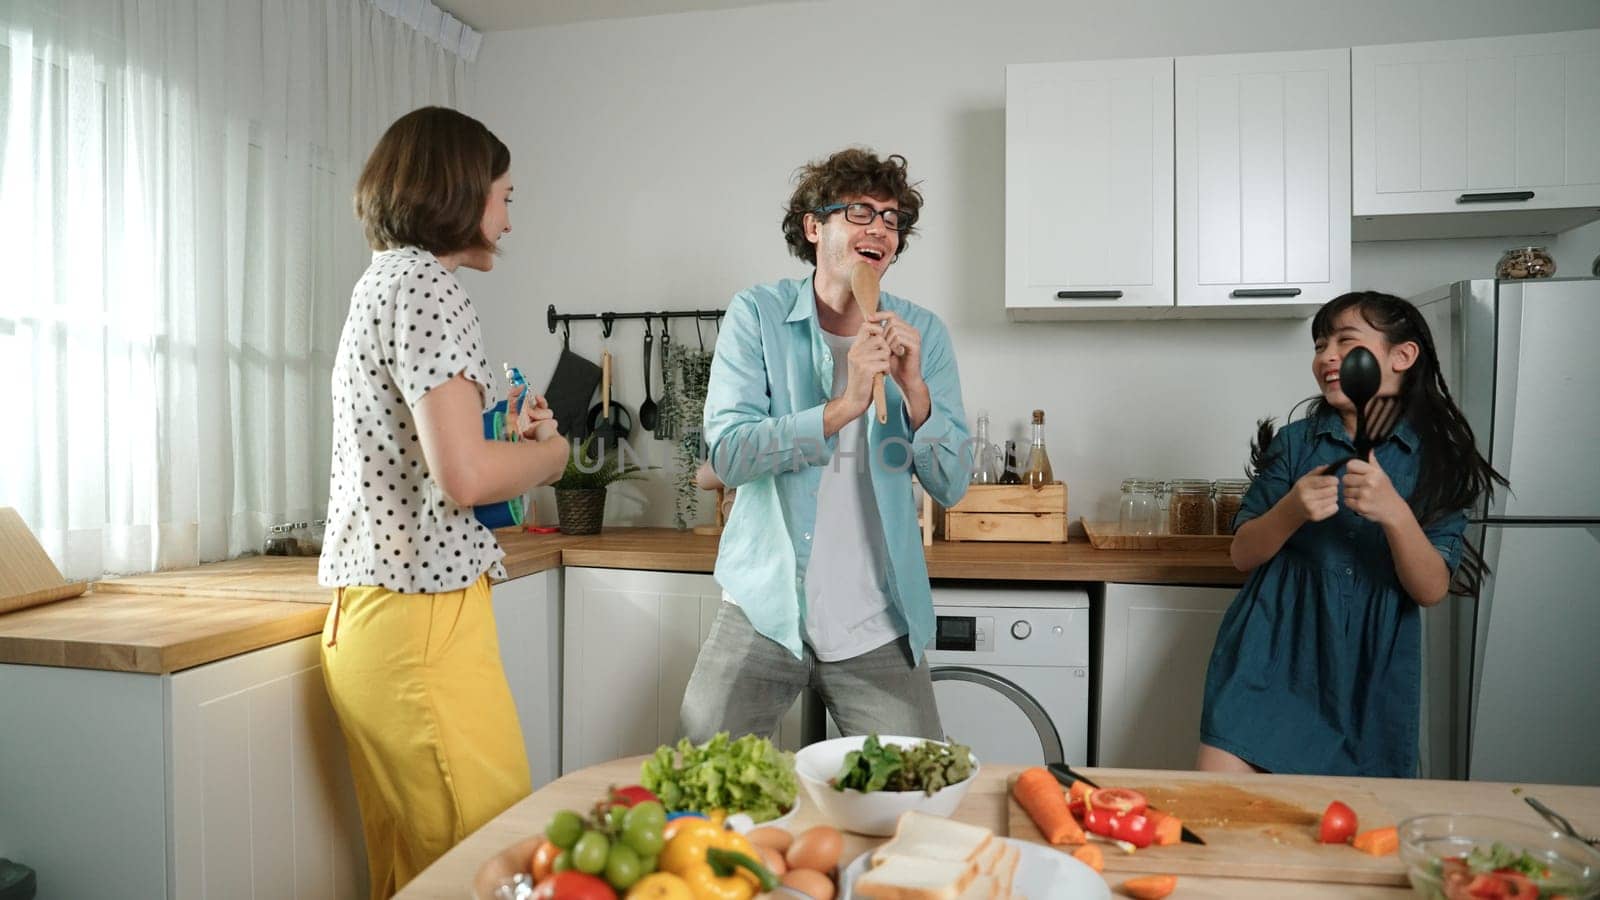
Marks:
<point>1512,682</point>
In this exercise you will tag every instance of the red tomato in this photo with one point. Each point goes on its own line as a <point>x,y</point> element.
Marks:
<point>1121,801</point>
<point>573,885</point>
<point>1503,885</point>
<point>632,795</point>
<point>1136,829</point>
<point>1338,824</point>
<point>1099,821</point>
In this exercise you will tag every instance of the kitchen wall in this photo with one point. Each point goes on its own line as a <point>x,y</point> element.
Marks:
<point>652,160</point>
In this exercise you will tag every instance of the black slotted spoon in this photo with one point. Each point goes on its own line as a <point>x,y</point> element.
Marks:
<point>648,412</point>
<point>1359,379</point>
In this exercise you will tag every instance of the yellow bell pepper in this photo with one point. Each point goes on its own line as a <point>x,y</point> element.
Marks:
<point>716,864</point>
<point>660,886</point>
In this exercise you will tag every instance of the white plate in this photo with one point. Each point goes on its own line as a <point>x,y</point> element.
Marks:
<point>1043,873</point>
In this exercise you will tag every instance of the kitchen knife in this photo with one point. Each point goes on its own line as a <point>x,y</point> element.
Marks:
<point>1065,774</point>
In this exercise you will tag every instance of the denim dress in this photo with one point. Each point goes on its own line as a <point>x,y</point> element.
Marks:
<point>1317,664</point>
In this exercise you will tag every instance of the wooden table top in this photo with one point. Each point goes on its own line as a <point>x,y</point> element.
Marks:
<point>168,621</point>
<point>505,838</point>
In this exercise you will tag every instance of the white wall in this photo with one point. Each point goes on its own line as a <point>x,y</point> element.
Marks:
<point>652,160</point>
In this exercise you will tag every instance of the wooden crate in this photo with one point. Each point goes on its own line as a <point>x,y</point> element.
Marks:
<point>1007,512</point>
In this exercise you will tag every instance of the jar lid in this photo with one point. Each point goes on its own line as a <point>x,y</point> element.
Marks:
<point>1138,483</point>
<point>1233,484</point>
<point>1190,484</point>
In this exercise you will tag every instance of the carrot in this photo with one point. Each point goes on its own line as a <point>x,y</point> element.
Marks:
<point>1169,828</point>
<point>1039,794</point>
<point>1150,887</point>
<point>1378,841</point>
<point>1090,855</point>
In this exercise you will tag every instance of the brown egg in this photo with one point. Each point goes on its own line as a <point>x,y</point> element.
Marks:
<point>813,884</point>
<point>771,836</point>
<point>817,849</point>
<point>772,859</point>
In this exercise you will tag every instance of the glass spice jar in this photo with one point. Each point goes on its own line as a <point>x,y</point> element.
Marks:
<point>1526,262</point>
<point>1138,512</point>
<point>1189,507</point>
<point>1228,493</point>
<point>280,542</point>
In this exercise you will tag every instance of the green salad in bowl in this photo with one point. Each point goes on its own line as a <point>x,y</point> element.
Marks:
<point>1462,857</point>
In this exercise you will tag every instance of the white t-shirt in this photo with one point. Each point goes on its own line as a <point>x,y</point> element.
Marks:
<point>847,603</point>
<point>410,329</point>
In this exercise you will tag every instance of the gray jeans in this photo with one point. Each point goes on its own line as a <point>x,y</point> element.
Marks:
<point>744,682</point>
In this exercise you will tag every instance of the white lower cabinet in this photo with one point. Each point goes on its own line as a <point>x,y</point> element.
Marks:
<point>1154,643</point>
<point>226,780</point>
<point>527,614</point>
<point>631,638</point>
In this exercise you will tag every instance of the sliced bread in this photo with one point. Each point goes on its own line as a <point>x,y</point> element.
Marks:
<point>916,878</point>
<point>934,837</point>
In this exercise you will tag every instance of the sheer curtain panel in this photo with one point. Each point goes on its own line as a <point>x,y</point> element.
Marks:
<point>175,191</point>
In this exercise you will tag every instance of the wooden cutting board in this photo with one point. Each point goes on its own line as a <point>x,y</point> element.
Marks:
<point>1260,831</point>
<point>27,576</point>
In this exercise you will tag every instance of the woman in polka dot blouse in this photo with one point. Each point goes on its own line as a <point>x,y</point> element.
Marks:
<point>410,654</point>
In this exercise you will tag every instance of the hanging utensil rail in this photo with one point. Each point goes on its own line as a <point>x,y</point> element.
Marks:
<point>606,319</point>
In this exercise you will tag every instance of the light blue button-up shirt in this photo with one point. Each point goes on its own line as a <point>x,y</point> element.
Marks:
<point>770,378</point>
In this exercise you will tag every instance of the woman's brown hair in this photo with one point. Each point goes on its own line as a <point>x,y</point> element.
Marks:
<point>427,182</point>
<point>853,172</point>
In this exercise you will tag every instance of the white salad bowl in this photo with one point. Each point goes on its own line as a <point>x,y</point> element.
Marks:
<point>877,812</point>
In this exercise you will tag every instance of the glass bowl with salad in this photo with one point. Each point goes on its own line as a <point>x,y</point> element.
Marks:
<point>864,783</point>
<point>1464,857</point>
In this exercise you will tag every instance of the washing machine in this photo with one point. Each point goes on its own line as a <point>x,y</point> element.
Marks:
<point>1011,671</point>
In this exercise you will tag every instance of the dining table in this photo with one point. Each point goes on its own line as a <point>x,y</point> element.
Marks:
<point>505,844</point>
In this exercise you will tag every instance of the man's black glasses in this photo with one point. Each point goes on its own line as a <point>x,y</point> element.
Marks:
<point>863,214</point>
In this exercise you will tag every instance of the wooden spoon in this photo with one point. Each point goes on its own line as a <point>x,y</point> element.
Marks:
<point>864,284</point>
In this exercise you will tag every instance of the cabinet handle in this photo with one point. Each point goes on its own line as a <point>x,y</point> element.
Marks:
<point>1088,295</point>
<point>1496,197</point>
<point>1264,292</point>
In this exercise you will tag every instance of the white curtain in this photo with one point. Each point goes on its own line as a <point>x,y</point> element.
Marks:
<point>175,199</point>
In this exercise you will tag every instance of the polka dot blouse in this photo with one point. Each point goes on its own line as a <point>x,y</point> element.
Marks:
<point>410,329</point>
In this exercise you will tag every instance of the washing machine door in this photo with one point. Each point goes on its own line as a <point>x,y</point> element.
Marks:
<point>997,717</point>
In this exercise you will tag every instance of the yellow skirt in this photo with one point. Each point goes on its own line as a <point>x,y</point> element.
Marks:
<point>435,746</point>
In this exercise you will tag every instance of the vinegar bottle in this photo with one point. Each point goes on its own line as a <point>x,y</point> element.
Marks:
<point>1038,473</point>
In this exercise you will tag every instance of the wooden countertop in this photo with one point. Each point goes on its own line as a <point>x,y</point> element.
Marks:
<point>169,621</point>
<point>503,844</point>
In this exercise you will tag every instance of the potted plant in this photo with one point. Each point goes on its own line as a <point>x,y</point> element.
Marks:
<point>581,489</point>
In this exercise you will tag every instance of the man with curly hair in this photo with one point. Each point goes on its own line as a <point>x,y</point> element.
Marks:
<point>821,565</point>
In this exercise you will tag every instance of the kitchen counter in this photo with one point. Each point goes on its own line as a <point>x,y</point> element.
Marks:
<point>169,621</point>
<point>503,845</point>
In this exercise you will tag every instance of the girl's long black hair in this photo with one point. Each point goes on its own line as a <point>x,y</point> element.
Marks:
<point>1453,474</point>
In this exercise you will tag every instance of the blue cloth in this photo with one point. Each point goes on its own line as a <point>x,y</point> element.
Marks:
<point>1317,664</point>
<point>770,378</point>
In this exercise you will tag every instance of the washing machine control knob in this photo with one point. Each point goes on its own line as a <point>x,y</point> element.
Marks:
<point>1021,629</point>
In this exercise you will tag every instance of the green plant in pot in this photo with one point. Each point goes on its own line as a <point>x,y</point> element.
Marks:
<point>581,489</point>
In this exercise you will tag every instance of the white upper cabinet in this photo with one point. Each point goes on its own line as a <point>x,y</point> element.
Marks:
<point>1089,188</point>
<point>1491,136</point>
<point>1263,181</point>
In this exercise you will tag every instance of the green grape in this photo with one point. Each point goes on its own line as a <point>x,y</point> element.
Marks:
<point>562,862</point>
<point>647,864</point>
<point>589,853</point>
<point>614,817</point>
<point>641,828</point>
<point>623,867</point>
<point>564,829</point>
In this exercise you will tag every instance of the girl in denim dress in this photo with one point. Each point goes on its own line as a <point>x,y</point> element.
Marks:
<point>1317,664</point>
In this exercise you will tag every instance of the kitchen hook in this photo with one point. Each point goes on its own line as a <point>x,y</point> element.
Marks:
<point>566,334</point>
<point>606,322</point>
<point>697,334</point>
